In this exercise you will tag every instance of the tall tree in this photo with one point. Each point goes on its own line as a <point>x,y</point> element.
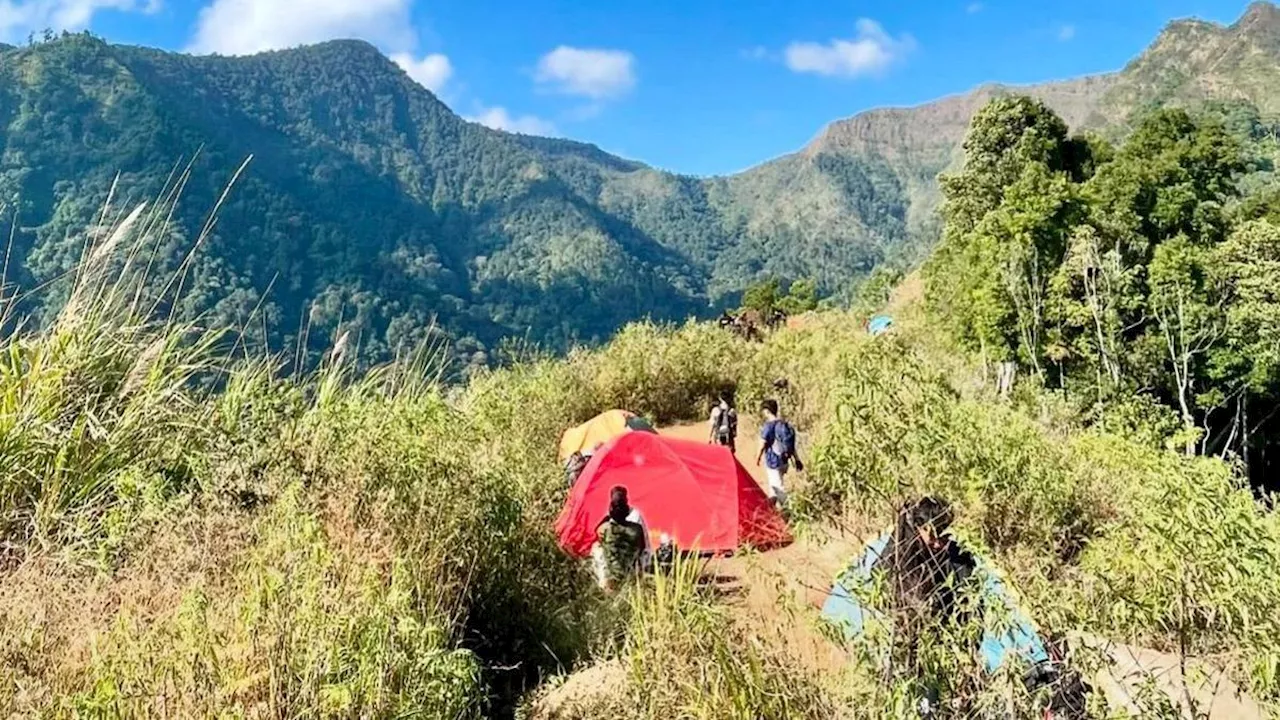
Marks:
<point>1008,214</point>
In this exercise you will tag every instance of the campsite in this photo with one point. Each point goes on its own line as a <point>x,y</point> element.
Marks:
<point>348,371</point>
<point>823,571</point>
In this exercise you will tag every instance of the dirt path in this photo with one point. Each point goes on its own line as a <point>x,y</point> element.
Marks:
<point>782,590</point>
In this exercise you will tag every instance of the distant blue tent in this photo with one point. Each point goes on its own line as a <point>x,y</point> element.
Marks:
<point>879,324</point>
<point>843,609</point>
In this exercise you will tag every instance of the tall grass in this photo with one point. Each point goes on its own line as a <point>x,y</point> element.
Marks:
<point>1103,533</point>
<point>188,533</point>
<point>684,655</point>
<point>99,409</point>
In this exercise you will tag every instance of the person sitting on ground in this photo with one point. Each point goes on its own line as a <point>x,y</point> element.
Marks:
<point>724,422</point>
<point>777,449</point>
<point>621,544</point>
<point>926,565</point>
<point>928,574</point>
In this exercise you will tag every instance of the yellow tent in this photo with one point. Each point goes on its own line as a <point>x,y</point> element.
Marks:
<point>600,430</point>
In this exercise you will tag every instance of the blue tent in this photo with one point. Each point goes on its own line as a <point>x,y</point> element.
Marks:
<point>1017,635</point>
<point>879,324</point>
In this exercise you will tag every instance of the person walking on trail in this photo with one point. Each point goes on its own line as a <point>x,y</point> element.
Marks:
<point>622,543</point>
<point>777,449</point>
<point>724,422</point>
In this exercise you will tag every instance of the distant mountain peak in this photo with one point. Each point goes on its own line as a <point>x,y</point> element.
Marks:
<point>1261,11</point>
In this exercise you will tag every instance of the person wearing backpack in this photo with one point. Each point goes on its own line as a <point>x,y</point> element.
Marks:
<point>777,449</point>
<point>621,549</point>
<point>724,422</point>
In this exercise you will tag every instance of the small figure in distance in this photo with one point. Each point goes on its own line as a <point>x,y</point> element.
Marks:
<point>724,422</point>
<point>622,542</point>
<point>777,449</point>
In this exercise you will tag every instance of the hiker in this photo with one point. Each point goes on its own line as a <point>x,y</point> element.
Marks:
<point>574,466</point>
<point>724,422</point>
<point>777,449</point>
<point>777,318</point>
<point>622,542</point>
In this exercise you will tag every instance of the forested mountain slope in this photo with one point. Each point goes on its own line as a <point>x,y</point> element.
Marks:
<point>369,205</point>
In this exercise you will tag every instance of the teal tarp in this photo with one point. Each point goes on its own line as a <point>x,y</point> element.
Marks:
<point>879,324</point>
<point>1019,637</point>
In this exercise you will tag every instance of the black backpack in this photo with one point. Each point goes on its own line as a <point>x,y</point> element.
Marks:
<point>727,423</point>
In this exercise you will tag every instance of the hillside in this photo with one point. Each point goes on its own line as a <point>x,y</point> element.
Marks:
<point>1075,393</point>
<point>1190,64</point>
<point>370,207</point>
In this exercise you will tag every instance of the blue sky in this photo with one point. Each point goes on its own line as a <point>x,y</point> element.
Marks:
<point>695,86</point>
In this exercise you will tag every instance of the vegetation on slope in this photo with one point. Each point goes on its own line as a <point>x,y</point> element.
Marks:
<point>338,545</point>
<point>370,208</point>
<point>1107,273</point>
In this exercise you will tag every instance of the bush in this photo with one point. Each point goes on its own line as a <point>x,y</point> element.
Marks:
<point>1101,532</point>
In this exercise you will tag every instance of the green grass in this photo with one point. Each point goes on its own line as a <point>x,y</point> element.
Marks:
<point>188,531</point>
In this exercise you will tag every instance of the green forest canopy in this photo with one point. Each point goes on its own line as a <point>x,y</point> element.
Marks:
<point>372,209</point>
<point>1145,269</point>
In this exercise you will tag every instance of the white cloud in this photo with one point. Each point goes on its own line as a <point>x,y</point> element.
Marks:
<point>499,119</point>
<point>870,52</point>
<point>590,73</point>
<point>17,19</point>
<point>758,52</point>
<point>1066,32</point>
<point>975,8</point>
<point>242,27</point>
<point>431,72</point>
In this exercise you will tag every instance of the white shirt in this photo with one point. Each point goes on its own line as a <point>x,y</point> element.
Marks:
<point>635,517</point>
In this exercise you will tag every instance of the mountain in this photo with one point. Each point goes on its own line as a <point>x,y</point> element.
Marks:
<point>370,206</point>
<point>1191,64</point>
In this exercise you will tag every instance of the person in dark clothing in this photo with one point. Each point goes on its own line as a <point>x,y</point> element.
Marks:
<point>926,566</point>
<point>928,574</point>
<point>724,422</point>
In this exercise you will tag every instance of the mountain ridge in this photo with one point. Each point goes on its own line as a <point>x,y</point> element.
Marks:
<point>383,209</point>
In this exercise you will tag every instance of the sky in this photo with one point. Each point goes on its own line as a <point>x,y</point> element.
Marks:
<point>695,86</point>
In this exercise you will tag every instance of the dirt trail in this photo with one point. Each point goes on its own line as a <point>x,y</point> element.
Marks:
<point>783,591</point>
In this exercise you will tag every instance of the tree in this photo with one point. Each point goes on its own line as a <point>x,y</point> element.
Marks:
<point>801,297</point>
<point>1007,214</point>
<point>762,296</point>
<point>1189,307</point>
<point>1247,367</point>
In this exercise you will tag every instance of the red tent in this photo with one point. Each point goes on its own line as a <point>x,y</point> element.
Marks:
<point>698,494</point>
